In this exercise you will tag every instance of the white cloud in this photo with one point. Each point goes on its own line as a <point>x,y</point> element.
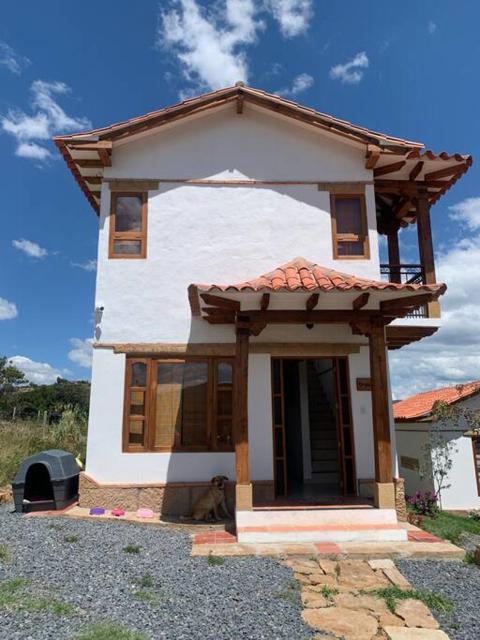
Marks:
<point>467,212</point>
<point>293,16</point>
<point>12,60</point>
<point>452,355</point>
<point>31,249</point>
<point>351,72</point>
<point>211,44</point>
<point>8,310</point>
<point>88,265</point>
<point>300,83</point>
<point>37,372</point>
<point>81,353</point>
<point>432,27</point>
<point>47,120</point>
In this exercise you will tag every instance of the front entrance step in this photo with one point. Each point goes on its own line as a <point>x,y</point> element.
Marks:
<point>323,477</point>
<point>319,525</point>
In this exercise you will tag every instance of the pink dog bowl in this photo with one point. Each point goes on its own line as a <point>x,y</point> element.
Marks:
<point>144,513</point>
<point>118,512</point>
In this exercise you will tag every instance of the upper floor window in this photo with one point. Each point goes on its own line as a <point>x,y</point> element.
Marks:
<point>181,405</point>
<point>349,226</point>
<point>128,225</point>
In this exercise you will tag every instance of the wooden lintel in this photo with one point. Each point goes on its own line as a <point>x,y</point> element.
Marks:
<point>265,301</point>
<point>416,170</point>
<point>312,302</point>
<point>448,171</point>
<point>403,207</point>
<point>222,303</point>
<point>405,303</point>
<point>372,156</point>
<point>88,163</point>
<point>343,187</point>
<point>132,184</point>
<point>389,168</point>
<point>361,301</point>
<point>90,145</point>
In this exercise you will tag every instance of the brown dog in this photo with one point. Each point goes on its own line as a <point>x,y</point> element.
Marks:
<point>209,503</point>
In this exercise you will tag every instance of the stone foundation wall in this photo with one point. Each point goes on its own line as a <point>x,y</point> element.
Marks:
<point>174,499</point>
<point>400,502</point>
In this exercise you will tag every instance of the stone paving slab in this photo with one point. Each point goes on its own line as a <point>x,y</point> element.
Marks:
<point>396,633</point>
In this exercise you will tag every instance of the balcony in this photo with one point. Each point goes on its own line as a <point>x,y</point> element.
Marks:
<point>406,274</point>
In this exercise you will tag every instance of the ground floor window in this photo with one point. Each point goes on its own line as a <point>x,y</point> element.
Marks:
<point>183,405</point>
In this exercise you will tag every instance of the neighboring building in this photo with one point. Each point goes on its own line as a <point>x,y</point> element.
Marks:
<point>203,366</point>
<point>413,421</point>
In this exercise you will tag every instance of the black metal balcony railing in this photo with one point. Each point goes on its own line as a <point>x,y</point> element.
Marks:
<point>406,274</point>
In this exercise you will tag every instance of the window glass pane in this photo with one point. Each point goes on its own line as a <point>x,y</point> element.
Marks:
<point>136,431</point>
<point>139,374</point>
<point>128,213</point>
<point>224,402</point>
<point>168,403</point>
<point>349,215</point>
<point>224,373</point>
<point>127,247</point>
<point>224,432</point>
<point>194,405</point>
<point>137,403</point>
<point>350,248</point>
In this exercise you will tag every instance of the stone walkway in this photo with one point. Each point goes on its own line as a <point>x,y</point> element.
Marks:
<point>336,599</point>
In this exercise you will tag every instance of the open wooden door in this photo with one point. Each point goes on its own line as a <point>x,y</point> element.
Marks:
<point>278,409</point>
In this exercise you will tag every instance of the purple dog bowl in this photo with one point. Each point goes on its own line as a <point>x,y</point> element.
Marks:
<point>97,511</point>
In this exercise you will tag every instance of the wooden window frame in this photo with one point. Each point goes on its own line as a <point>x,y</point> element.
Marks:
<point>350,237</point>
<point>128,235</point>
<point>475,439</point>
<point>212,444</point>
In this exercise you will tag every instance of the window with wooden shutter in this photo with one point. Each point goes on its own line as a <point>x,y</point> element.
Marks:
<point>187,404</point>
<point>128,225</point>
<point>349,227</point>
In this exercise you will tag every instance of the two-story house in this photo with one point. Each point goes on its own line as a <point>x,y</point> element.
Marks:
<point>243,316</point>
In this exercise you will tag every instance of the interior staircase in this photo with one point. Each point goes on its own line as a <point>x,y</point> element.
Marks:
<point>323,434</point>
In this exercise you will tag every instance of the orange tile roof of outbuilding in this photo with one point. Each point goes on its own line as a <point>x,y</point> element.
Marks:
<point>301,275</point>
<point>421,404</point>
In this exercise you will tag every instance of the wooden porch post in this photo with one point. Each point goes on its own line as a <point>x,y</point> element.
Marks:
<point>244,497</point>
<point>425,248</point>
<point>394,254</point>
<point>384,488</point>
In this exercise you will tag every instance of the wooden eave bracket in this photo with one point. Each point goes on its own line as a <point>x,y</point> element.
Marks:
<point>372,156</point>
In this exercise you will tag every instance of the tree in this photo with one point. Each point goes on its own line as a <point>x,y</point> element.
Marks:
<point>10,376</point>
<point>438,452</point>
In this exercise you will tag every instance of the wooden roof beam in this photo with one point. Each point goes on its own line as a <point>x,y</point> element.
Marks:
<point>360,301</point>
<point>414,173</point>
<point>389,168</point>
<point>408,302</point>
<point>448,171</point>
<point>240,100</point>
<point>402,207</point>
<point>312,302</point>
<point>372,156</point>
<point>219,302</point>
<point>265,301</point>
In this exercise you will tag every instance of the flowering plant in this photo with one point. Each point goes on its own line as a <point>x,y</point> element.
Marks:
<point>424,503</point>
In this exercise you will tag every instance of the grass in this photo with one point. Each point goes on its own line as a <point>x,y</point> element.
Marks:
<point>449,526</point>
<point>215,560</point>
<point>289,592</point>
<point>70,539</point>
<point>392,595</point>
<point>55,526</point>
<point>21,439</point>
<point>5,554</point>
<point>131,548</point>
<point>146,591</point>
<point>18,593</point>
<point>146,581</point>
<point>328,592</point>
<point>108,631</point>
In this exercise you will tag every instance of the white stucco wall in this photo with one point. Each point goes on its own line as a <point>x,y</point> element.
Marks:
<point>463,492</point>
<point>359,367</point>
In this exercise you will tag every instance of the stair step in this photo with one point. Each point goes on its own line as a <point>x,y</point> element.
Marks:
<point>325,455</point>
<point>325,477</point>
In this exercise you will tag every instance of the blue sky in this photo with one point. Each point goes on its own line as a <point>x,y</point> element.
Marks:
<point>407,68</point>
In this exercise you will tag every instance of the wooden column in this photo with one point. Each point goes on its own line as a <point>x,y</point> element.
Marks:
<point>384,489</point>
<point>393,253</point>
<point>425,247</point>
<point>244,498</point>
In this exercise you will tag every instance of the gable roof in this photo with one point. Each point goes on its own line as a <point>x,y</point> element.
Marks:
<point>299,275</point>
<point>420,405</point>
<point>89,152</point>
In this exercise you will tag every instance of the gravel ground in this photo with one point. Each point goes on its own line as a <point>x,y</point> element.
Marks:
<point>83,563</point>
<point>457,581</point>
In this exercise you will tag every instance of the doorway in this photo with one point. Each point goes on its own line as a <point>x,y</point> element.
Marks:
<point>312,429</point>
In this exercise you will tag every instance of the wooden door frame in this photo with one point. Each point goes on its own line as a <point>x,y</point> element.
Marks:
<point>338,420</point>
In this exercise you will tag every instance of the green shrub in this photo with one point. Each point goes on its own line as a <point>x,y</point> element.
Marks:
<point>215,560</point>
<point>131,548</point>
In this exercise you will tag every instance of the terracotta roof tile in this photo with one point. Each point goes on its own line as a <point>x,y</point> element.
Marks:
<point>301,275</point>
<point>421,404</point>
